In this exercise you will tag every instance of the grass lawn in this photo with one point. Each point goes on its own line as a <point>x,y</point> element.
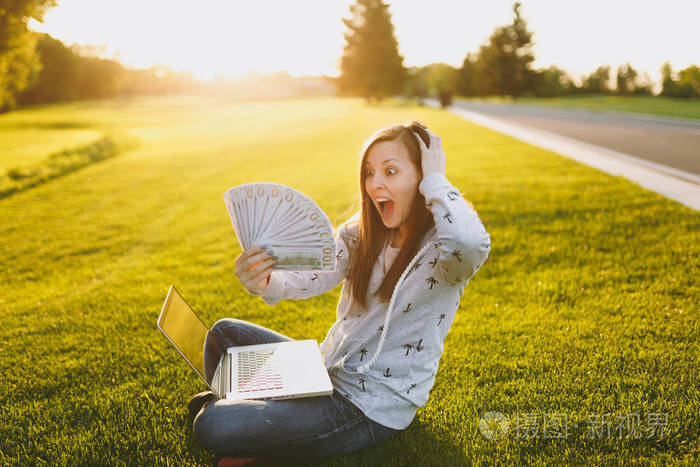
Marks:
<point>653,105</point>
<point>588,306</point>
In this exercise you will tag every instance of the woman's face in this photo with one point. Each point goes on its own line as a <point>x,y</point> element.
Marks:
<point>391,181</point>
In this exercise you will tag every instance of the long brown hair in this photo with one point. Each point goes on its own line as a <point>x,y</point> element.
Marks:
<point>373,233</point>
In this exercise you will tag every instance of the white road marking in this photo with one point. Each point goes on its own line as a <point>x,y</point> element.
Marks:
<point>673,183</point>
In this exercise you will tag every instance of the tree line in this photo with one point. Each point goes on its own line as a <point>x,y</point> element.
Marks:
<point>372,67</point>
<point>74,73</point>
<point>37,68</point>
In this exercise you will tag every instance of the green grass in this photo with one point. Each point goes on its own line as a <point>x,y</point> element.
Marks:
<point>589,303</point>
<point>652,105</point>
<point>59,163</point>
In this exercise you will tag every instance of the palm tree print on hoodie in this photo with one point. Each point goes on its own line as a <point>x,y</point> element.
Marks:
<point>419,347</point>
<point>411,387</point>
<point>407,308</point>
<point>442,316</point>
<point>432,281</point>
<point>408,347</point>
<point>362,382</point>
<point>386,373</point>
<point>363,352</point>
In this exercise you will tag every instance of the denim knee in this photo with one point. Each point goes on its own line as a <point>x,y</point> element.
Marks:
<point>225,323</point>
<point>205,429</point>
<point>224,326</point>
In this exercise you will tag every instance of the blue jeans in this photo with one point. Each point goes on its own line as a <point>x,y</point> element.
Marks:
<point>307,427</point>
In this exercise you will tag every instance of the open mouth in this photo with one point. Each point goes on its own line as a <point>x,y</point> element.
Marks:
<point>386,207</point>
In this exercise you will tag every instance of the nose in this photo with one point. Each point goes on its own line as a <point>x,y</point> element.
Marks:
<point>376,182</point>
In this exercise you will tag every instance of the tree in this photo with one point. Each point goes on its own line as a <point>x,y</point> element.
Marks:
<point>100,78</point>
<point>441,77</point>
<point>597,82</point>
<point>504,62</point>
<point>644,85</point>
<point>550,82</point>
<point>416,83</point>
<point>371,65</point>
<point>626,77</point>
<point>441,81</point>
<point>59,75</point>
<point>466,81</point>
<point>72,73</point>
<point>689,81</point>
<point>19,61</point>
<point>685,84</point>
<point>669,86</point>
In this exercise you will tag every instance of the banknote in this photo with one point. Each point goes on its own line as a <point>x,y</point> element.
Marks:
<point>286,220</point>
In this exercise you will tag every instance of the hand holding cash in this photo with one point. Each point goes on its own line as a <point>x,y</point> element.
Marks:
<point>286,222</point>
<point>253,268</point>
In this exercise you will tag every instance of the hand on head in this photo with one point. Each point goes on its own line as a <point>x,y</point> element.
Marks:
<point>433,155</point>
<point>253,268</point>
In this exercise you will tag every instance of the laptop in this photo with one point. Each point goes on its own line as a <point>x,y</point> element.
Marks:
<point>281,370</point>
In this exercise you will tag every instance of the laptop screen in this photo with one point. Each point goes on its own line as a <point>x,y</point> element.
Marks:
<point>186,332</point>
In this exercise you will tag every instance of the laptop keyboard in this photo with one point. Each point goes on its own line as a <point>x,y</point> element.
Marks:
<point>254,375</point>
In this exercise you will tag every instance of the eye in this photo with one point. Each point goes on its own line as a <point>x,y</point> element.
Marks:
<point>391,171</point>
<point>368,172</point>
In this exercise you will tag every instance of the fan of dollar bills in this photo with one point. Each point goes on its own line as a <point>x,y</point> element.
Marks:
<point>285,220</point>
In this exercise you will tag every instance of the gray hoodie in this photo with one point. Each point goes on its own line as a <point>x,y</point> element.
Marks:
<point>384,358</point>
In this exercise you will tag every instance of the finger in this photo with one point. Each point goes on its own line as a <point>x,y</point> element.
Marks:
<point>421,144</point>
<point>433,137</point>
<point>257,257</point>
<point>255,275</point>
<point>242,259</point>
<point>253,251</point>
<point>262,281</point>
<point>262,285</point>
<point>262,268</point>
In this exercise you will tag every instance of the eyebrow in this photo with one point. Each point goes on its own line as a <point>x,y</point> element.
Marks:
<point>384,161</point>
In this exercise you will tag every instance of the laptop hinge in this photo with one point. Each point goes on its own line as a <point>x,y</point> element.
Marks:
<point>225,386</point>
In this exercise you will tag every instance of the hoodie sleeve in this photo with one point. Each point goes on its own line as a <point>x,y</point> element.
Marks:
<point>296,285</point>
<point>462,241</point>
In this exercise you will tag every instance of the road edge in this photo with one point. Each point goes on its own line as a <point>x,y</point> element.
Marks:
<point>673,183</point>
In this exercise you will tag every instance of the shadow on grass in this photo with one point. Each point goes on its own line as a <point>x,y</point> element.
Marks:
<point>399,102</point>
<point>46,126</point>
<point>416,445</point>
<point>63,162</point>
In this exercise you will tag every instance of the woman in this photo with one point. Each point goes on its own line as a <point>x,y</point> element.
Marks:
<point>406,257</point>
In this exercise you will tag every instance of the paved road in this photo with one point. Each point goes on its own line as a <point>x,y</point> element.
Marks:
<point>667,141</point>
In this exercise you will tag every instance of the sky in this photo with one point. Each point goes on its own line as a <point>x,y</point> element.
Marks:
<point>305,37</point>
